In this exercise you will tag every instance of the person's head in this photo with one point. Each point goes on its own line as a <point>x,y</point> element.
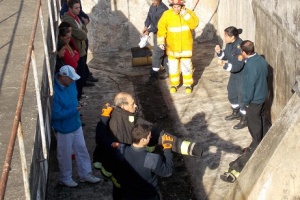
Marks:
<point>125,101</point>
<point>141,134</point>
<point>156,2</point>
<point>231,34</point>
<point>65,35</point>
<point>61,48</point>
<point>176,5</point>
<point>67,75</point>
<point>74,6</point>
<point>65,25</point>
<point>247,48</point>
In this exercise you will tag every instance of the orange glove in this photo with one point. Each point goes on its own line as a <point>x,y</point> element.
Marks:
<point>106,110</point>
<point>167,141</point>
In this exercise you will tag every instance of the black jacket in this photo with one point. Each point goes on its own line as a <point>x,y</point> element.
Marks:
<point>140,171</point>
<point>154,15</point>
<point>122,122</point>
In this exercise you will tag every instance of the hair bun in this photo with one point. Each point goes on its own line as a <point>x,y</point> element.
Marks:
<point>240,31</point>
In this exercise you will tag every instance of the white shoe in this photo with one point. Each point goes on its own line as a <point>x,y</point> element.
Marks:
<point>69,183</point>
<point>90,178</point>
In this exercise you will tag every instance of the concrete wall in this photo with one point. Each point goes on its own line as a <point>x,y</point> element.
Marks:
<point>117,24</point>
<point>273,171</point>
<point>277,37</point>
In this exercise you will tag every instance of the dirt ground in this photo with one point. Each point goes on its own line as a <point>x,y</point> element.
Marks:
<point>198,117</point>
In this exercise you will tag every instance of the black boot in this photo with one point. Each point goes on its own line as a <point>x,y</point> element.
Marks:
<point>242,123</point>
<point>234,115</point>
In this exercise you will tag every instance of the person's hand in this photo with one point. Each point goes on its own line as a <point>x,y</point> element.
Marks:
<point>167,141</point>
<point>182,11</point>
<point>218,49</point>
<point>106,110</point>
<point>86,21</point>
<point>161,46</point>
<point>145,31</point>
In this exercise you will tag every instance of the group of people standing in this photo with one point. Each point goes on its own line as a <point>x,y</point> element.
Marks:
<point>123,134</point>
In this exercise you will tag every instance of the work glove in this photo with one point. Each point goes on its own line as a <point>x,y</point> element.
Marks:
<point>167,141</point>
<point>106,110</point>
<point>144,40</point>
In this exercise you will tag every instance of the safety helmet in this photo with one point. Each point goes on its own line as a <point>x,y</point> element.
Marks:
<point>176,2</point>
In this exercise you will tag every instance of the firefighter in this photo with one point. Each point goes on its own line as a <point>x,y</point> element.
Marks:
<point>175,35</point>
<point>233,54</point>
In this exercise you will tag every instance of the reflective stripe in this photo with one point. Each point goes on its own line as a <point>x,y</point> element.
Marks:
<point>187,16</point>
<point>105,173</point>
<point>185,147</point>
<point>187,80</point>
<point>115,182</point>
<point>235,173</point>
<point>150,149</point>
<point>180,54</point>
<point>178,29</point>
<point>160,40</point>
<point>191,149</point>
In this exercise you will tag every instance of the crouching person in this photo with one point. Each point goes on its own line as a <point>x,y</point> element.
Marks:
<point>66,122</point>
<point>140,168</point>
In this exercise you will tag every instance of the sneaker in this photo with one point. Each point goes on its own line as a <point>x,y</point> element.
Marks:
<point>173,89</point>
<point>188,90</point>
<point>69,183</point>
<point>90,179</point>
<point>97,165</point>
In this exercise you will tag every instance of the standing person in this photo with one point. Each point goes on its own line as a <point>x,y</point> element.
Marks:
<point>61,49</point>
<point>85,19</point>
<point>255,93</point>
<point>233,54</point>
<point>66,122</point>
<point>79,34</point>
<point>140,168</point>
<point>158,56</point>
<point>175,35</point>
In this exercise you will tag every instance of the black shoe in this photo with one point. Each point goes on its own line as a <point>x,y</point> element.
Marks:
<point>228,177</point>
<point>90,78</point>
<point>164,76</point>
<point>242,123</point>
<point>234,115</point>
<point>89,84</point>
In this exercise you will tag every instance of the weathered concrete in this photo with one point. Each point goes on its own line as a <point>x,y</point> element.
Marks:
<point>273,172</point>
<point>278,38</point>
<point>117,25</point>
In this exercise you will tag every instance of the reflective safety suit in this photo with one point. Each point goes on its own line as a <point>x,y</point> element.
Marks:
<point>175,32</point>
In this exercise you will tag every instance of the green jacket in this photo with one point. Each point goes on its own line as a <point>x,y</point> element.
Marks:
<point>79,34</point>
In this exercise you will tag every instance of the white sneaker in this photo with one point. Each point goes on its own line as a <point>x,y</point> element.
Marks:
<point>90,178</point>
<point>69,183</point>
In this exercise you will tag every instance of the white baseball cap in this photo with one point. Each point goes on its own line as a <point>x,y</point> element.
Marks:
<point>69,71</point>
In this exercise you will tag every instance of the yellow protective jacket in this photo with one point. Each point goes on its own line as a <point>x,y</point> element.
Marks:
<point>175,31</point>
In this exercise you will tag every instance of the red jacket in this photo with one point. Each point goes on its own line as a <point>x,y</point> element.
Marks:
<point>68,58</point>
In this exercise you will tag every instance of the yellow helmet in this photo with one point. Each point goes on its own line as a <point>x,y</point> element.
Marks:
<point>176,2</point>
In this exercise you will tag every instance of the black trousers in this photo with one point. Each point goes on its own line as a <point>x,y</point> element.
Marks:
<point>256,121</point>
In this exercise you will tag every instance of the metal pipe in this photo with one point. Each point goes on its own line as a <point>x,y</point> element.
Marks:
<point>17,118</point>
<point>46,53</point>
<point>23,161</point>
<point>51,26</point>
<point>39,104</point>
